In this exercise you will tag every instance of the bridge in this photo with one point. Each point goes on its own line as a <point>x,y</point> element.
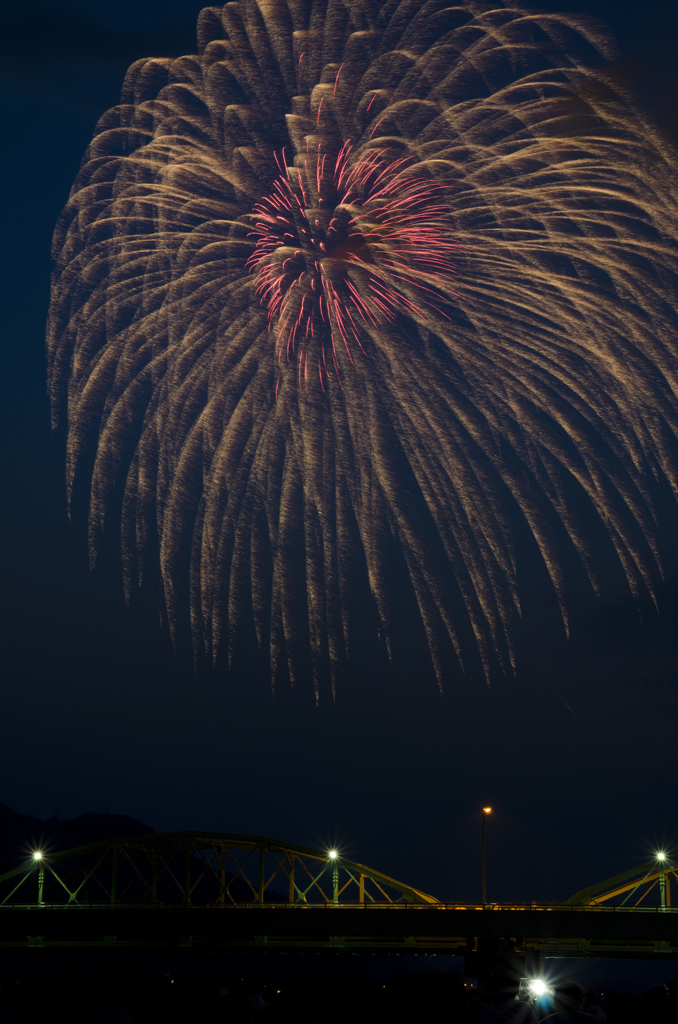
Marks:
<point>216,892</point>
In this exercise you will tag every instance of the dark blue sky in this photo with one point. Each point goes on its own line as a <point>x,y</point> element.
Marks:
<point>576,754</point>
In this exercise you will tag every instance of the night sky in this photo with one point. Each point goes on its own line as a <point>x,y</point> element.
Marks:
<point>576,754</point>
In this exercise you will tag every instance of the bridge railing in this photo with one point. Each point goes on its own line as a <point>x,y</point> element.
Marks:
<point>489,908</point>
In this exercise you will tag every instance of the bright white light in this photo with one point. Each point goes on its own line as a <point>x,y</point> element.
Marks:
<point>333,854</point>
<point>537,987</point>
<point>661,856</point>
<point>37,855</point>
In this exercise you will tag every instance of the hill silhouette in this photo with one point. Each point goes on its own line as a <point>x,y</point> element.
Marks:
<point>21,834</point>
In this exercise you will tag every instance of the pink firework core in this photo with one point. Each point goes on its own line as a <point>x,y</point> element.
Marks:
<point>345,248</point>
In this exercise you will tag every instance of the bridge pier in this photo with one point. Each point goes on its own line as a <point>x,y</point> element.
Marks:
<point>534,964</point>
<point>492,956</point>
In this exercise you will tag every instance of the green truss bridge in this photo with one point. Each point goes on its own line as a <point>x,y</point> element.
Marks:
<point>214,892</point>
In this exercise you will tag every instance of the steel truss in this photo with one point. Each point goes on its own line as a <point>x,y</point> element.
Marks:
<point>637,883</point>
<point>198,869</point>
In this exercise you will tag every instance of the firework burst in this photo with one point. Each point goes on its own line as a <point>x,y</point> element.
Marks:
<point>363,284</point>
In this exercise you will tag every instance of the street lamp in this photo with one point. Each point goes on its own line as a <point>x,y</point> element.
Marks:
<point>486,811</point>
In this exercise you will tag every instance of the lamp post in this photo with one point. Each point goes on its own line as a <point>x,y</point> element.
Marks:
<point>486,811</point>
<point>662,880</point>
<point>37,857</point>
<point>333,855</point>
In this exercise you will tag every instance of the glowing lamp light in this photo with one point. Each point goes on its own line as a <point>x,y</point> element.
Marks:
<point>537,987</point>
<point>661,856</point>
<point>333,854</point>
<point>37,855</point>
<point>487,810</point>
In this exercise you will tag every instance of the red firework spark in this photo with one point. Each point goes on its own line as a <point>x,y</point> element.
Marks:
<point>349,246</point>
